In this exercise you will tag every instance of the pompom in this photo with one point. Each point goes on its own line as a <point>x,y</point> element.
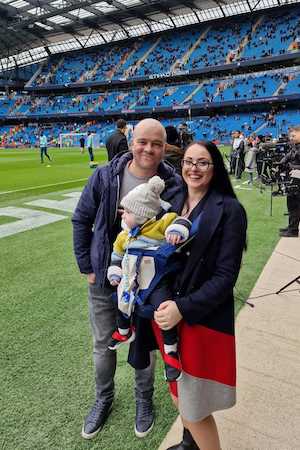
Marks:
<point>156,184</point>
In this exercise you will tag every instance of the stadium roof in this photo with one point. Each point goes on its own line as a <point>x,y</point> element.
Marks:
<point>31,30</point>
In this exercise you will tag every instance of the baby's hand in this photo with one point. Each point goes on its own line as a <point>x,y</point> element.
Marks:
<point>173,238</point>
<point>114,282</point>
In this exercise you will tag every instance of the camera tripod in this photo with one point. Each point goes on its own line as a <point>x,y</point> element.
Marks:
<point>295,280</point>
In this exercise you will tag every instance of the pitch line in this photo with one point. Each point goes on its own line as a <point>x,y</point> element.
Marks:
<point>43,186</point>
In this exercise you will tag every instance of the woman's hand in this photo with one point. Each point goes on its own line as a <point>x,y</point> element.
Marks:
<point>167,315</point>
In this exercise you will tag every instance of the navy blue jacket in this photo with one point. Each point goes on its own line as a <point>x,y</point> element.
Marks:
<point>204,291</point>
<point>94,219</point>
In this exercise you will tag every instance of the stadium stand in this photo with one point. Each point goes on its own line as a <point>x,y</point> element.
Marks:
<point>262,36</point>
<point>217,75</point>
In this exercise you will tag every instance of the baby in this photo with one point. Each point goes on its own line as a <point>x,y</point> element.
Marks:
<point>142,229</point>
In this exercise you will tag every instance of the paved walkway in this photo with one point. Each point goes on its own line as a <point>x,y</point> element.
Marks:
<point>267,414</point>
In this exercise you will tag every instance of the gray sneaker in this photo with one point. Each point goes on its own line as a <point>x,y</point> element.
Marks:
<point>96,419</point>
<point>144,419</point>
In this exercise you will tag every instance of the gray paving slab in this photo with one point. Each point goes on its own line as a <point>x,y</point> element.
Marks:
<point>267,414</point>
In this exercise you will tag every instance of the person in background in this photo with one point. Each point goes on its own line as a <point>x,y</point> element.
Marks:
<point>117,142</point>
<point>250,158</point>
<point>238,154</point>
<point>203,303</point>
<point>43,147</point>
<point>96,224</point>
<point>82,143</point>
<point>173,153</point>
<point>259,154</point>
<point>233,154</point>
<point>89,145</point>
<point>291,162</point>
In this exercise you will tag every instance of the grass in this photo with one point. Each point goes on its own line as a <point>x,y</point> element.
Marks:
<point>46,370</point>
<point>22,171</point>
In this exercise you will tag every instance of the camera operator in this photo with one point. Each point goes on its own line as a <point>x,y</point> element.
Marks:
<point>292,161</point>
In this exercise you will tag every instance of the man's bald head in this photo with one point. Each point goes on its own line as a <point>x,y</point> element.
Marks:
<point>150,124</point>
<point>148,147</point>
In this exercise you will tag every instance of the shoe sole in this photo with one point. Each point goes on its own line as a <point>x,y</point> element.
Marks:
<point>131,339</point>
<point>172,381</point>
<point>142,434</point>
<point>92,435</point>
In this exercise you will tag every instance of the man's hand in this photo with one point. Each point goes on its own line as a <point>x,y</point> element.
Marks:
<point>91,277</point>
<point>167,315</point>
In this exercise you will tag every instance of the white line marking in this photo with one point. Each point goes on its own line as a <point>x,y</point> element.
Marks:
<point>30,219</point>
<point>67,205</point>
<point>45,185</point>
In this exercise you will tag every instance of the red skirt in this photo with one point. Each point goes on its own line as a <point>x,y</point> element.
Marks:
<point>208,361</point>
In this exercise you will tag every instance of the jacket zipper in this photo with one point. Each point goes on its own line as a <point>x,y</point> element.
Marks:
<point>118,196</point>
<point>107,259</point>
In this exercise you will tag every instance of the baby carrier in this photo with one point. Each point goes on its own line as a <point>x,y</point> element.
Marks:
<point>145,268</point>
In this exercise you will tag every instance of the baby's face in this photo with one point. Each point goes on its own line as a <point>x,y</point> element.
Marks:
<point>129,219</point>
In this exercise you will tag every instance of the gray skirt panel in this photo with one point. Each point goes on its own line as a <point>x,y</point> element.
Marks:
<point>198,397</point>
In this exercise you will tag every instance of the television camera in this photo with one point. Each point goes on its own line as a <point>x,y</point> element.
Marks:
<point>272,172</point>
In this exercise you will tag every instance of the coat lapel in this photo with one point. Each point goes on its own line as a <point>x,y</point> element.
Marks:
<point>211,217</point>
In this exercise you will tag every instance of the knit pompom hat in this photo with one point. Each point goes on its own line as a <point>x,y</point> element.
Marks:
<point>144,200</point>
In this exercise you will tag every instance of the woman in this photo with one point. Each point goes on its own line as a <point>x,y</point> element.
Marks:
<point>203,305</point>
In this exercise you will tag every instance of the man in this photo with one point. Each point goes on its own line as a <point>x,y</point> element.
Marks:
<point>233,153</point>
<point>292,162</point>
<point>96,224</point>
<point>89,145</point>
<point>185,135</point>
<point>117,142</point>
<point>82,142</point>
<point>43,147</point>
<point>174,153</point>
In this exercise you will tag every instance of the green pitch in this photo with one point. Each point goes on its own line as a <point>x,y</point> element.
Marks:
<point>22,171</point>
<point>46,370</point>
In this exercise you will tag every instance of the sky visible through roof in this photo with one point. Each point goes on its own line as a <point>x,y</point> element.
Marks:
<point>56,15</point>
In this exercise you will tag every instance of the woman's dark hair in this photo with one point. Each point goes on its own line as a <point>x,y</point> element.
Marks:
<point>172,135</point>
<point>220,180</point>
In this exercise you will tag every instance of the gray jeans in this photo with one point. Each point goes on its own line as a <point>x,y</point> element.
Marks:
<point>103,314</point>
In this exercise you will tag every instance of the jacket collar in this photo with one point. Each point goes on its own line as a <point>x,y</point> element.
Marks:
<point>210,220</point>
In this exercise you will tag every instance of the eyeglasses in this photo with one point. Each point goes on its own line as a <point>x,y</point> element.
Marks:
<point>203,166</point>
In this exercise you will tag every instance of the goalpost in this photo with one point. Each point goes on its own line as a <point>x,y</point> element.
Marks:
<point>72,139</point>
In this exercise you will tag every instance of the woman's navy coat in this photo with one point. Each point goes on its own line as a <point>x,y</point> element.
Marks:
<point>204,293</point>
